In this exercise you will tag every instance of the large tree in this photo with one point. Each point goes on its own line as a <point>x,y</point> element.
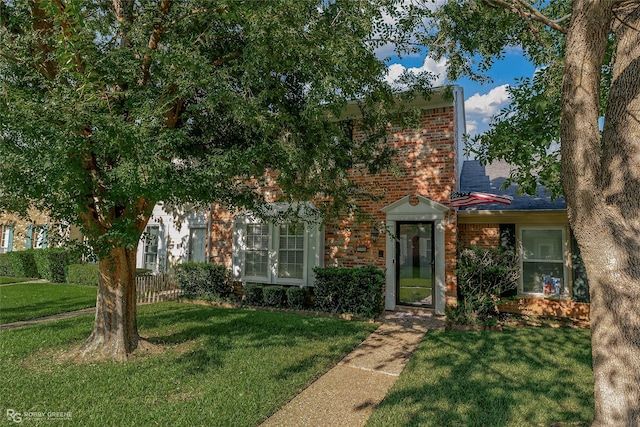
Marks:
<point>585,98</point>
<point>107,107</point>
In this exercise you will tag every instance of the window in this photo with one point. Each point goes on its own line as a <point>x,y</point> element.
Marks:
<point>291,251</point>
<point>150,254</point>
<point>197,244</point>
<point>543,260</point>
<point>6,238</point>
<point>36,237</point>
<point>273,252</point>
<point>256,253</point>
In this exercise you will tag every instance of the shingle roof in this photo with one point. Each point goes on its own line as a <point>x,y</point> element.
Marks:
<point>490,178</point>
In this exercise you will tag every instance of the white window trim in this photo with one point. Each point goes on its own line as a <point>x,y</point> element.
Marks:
<point>566,267</point>
<point>313,251</point>
<point>305,253</point>
<point>270,256</point>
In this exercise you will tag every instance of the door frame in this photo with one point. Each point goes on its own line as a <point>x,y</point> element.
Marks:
<point>432,263</point>
<point>417,209</point>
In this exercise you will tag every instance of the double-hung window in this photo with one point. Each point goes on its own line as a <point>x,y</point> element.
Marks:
<point>256,251</point>
<point>151,247</point>
<point>544,263</point>
<point>6,238</point>
<point>291,251</point>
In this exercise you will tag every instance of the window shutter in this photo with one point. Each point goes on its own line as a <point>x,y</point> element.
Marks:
<point>29,236</point>
<point>580,281</point>
<point>508,236</point>
<point>10,238</point>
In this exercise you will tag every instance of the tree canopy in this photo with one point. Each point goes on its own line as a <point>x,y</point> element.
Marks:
<point>107,107</point>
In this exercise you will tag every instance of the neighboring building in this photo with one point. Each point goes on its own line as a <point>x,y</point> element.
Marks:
<point>173,235</point>
<point>552,277</point>
<point>35,232</point>
<point>415,238</point>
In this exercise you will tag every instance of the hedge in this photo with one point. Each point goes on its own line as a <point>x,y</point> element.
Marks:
<point>296,296</point>
<point>358,291</point>
<point>83,274</point>
<point>19,264</point>
<point>253,293</point>
<point>52,263</point>
<point>274,296</point>
<point>204,280</point>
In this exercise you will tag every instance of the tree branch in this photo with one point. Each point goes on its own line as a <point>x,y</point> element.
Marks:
<point>533,14</point>
<point>227,58</point>
<point>154,39</point>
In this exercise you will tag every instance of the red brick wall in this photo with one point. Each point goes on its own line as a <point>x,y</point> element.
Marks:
<point>426,158</point>
<point>483,235</point>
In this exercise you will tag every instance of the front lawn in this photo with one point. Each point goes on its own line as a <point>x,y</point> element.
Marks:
<point>27,301</point>
<point>519,377</point>
<point>222,367</point>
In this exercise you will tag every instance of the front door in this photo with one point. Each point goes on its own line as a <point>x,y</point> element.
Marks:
<point>415,264</point>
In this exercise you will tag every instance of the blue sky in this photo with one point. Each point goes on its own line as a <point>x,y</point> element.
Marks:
<point>482,101</point>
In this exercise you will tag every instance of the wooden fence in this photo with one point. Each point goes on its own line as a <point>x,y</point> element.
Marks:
<point>157,288</point>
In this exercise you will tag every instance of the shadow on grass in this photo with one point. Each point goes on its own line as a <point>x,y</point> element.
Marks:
<point>215,331</point>
<point>520,377</point>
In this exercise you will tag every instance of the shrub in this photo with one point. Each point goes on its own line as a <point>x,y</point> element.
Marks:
<point>296,296</point>
<point>52,263</point>
<point>274,296</point>
<point>204,280</point>
<point>253,294</point>
<point>359,291</point>
<point>83,274</point>
<point>20,264</point>
<point>6,267</point>
<point>483,275</point>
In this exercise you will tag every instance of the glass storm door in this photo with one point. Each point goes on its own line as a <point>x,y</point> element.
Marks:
<point>197,244</point>
<point>415,264</point>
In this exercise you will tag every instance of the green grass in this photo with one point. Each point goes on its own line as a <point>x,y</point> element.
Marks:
<point>519,377</point>
<point>32,300</point>
<point>7,279</point>
<point>222,367</point>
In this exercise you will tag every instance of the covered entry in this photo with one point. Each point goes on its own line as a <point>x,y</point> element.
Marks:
<point>415,253</point>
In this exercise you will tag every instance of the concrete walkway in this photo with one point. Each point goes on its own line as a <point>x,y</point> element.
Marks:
<point>347,394</point>
<point>47,319</point>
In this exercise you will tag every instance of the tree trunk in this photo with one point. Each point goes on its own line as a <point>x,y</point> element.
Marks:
<point>115,331</point>
<point>601,177</point>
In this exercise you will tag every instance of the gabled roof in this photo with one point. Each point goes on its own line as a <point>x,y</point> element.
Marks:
<point>490,178</point>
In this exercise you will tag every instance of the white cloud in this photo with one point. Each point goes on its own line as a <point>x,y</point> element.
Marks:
<point>437,68</point>
<point>481,108</point>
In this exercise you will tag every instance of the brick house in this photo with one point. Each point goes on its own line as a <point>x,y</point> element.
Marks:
<point>552,277</point>
<point>413,235</point>
<point>18,233</point>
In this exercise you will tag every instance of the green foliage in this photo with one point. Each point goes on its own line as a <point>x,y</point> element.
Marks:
<point>274,296</point>
<point>253,294</point>
<point>19,264</point>
<point>296,296</point>
<point>118,105</point>
<point>52,263</point>
<point>83,274</point>
<point>6,266</point>
<point>359,291</point>
<point>204,280</point>
<point>483,275</point>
